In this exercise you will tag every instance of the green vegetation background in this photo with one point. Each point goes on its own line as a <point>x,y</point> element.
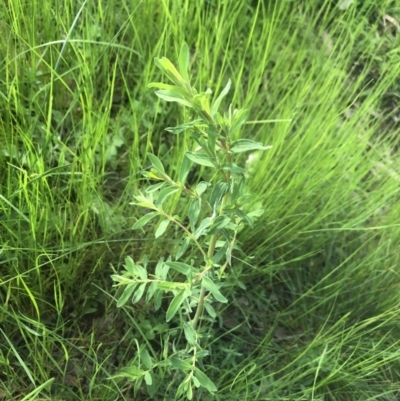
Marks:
<point>319,319</point>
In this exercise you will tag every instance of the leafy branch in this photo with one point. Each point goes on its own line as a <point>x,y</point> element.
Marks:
<point>217,211</point>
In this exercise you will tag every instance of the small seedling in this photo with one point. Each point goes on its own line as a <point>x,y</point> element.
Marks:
<point>216,212</point>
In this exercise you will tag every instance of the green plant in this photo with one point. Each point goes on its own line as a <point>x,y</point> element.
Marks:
<point>217,211</point>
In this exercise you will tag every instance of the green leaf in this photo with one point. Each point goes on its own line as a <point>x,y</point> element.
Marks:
<point>184,62</point>
<point>151,291</point>
<point>205,380</point>
<point>195,381</point>
<point>201,101</point>
<point>209,285</point>
<point>176,303</point>
<point>184,170</point>
<point>171,96</point>
<point>123,299</point>
<point>201,158</point>
<point>245,145</point>
<point>144,220</point>
<point>183,127</point>
<point>162,271</point>
<point>210,310</point>
<point>205,223</point>
<point>182,249</point>
<point>182,92</point>
<point>153,188</point>
<point>221,252</point>
<point>189,392</point>
<point>201,187</point>
<point>137,296</point>
<point>162,228</point>
<point>183,365</point>
<point>193,212</point>
<point>256,213</point>
<point>237,189</point>
<point>218,101</point>
<point>233,168</point>
<point>157,300</point>
<point>146,358</point>
<point>219,223</point>
<point>130,266</point>
<point>143,201</point>
<point>148,378</point>
<point>183,268</point>
<point>211,140</point>
<point>159,267</point>
<point>239,118</point>
<point>190,333</point>
<point>219,191</point>
<point>170,71</point>
<point>129,372</point>
<point>245,217</point>
<point>164,194</point>
<point>171,286</point>
<point>141,272</point>
<point>156,162</point>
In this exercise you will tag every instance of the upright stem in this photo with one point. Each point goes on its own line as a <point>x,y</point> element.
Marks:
<point>213,241</point>
<point>210,254</point>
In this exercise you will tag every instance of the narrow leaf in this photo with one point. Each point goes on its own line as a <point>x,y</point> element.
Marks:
<point>162,228</point>
<point>233,168</point>
<point>244,145</point>
<point>146,358</point>
<point>200,158</point>
<point>181,92</point>
<point>156,162</point>
<point>182,268</point>
<point>137,296</point>
<point>204,380</point>
<point>153,188</point>
<point>148,378</point>
<point>159,267</point>
<point>201,187</point>
<point>184,170</point>
<point>164,194</point>
<point>239,119</point>
<point>176,303</point>
<point>184,62</point>
<point>190,334</point>
<point>205,223</point>
<point>141,272</point>
<point>219,191</point>
<point>171,286</point>
<point>218,101</point>
<point>210,310</point>
<point>157,300</point>
<point>172,97</point>
<point>130,372</point>
<point>130,266</point>
<point>169,70</point>
<point>193,212</point>
<point>209,285</point>
<point>219,223</point>
<point>151,291</point>
<point>123,299</point>
<point>183,247</point>
<point>144,220</point>
<point>221,252</point>
<point>183,127</point>
<point>180,364</point>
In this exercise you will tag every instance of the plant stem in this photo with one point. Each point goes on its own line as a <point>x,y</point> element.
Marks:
<point>210,254</point>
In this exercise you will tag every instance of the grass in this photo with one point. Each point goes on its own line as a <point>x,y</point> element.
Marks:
<point>319,317</point>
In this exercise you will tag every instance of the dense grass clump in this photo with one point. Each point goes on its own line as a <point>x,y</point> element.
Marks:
<point>316,314</point>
